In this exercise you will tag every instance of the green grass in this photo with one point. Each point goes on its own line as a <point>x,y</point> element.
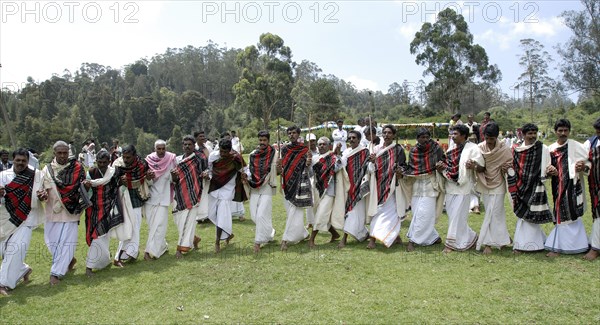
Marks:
<point>324,285</point>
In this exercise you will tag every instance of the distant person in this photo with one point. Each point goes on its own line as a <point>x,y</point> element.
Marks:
<point>340,135</point>
<point>5,164</point>
<point>593,145</point>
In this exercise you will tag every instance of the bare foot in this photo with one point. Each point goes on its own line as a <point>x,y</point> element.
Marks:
<point>26,276</point>
<point>284,246</point>
<point>311,243</point>
<point>371,244</point>
<point>410,247</point>
<point>591,255</point>
<point>398,240</point>
<point>437,241</point>
<point>342,244</point>
<point>147,257</point>
<point>72,265</point>
<point>256,248</point>
<point>4,291</point>
<point>228,239</point>
<point>178,255</point>
<point>447,250</point>
<point>334,235</point>
<point>217,248</point>
<point>118,263</point>
<point>196,241</point>
<point>552,254</point>
<point>309,226</point>
<point>242,219</point>
<point>487,250</point>
<point>476,210</point>
<point>89,272</point>
<point>517,252</point>
<point>54,280</point>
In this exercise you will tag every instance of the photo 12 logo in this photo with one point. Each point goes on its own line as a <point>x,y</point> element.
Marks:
<point>488,11</point>
<point>68,12</point>
<point>271,11</point>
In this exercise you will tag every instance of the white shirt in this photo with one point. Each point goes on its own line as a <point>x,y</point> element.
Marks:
<point>339,136</point>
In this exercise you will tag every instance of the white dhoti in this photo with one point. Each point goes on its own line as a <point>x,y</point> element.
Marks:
<point>203,205</point>
<point>237,209</point>
<point>568,238</point>
<point>219,213</point>
<point>261,210</point>
<point>310,216</point>
<point>130,248</point>
<point>460,236</point>
<point>186,226</point>
<point>61,239</point>
<point>354,225</point>
<point>98,256</point>
<point>13,251</point>
<point>385,225</point>
<point>422,226</point>
<point>595,235</point>
<point>323,211</point>
<point>157,217</point>
<point>529,236</point>
<point>474,202</point>
<point>493,229</point>
<point>294,225</point>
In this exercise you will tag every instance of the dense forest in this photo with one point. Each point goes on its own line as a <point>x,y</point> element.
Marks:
<point>216,88</point>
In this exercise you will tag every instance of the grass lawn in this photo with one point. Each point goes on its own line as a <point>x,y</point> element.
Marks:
<point>324,285</point>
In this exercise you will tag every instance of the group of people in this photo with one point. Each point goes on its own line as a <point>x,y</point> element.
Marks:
<point>363,191</point>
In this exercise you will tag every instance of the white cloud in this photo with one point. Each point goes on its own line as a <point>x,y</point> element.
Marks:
<point>362,83</point>
<point>507,34</point>
<point>408,30</point>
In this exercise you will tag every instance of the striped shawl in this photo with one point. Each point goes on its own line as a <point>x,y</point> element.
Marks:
<point>18,194</point>
<point>105,212</point>
<point>357,167</point>
<point>68,183</point>
<point>296,182</point>
<point>594,178</point>
<point>223,170</point>
<point>386,163</point>
<point>260,165</point>
<point>422,158</point>
<point>324,170</point>
<point>568,202</point>
<point>188,188</point>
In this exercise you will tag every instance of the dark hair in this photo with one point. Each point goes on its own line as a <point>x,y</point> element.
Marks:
<point>371,129</point>
<point>129,149</point>
<point>597,124</point>
<point>3,151</point>
<point>462,129</point>
<point>360,120</point>
<point>265,134</point>
<point>423,131</point>
<point>232,132</point>
<point>358,135</point>
<point>226,134</point>
<point>18,152</point>
<point>188,138</point>
<point>225,144</point>
<point>457,115</point>
<point>529,127</point>
<point>491,130</point>
<point>293,128</point>
<point>487,113</point>
<point>563,122</point>
<point>102,154</point>
<point>391,127</point>
<point>197,133</point>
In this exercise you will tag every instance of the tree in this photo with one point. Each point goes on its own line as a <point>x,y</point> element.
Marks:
<point>266,79</point>
<point>581,54</point>
<point>447,51</point>
<point>534,81</point>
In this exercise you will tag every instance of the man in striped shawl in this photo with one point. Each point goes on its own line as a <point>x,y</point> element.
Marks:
<point>187,177</point>
<point>20,213</point>
<point>203,146</point>
<point>225,166</point>
<point>491,183</point>
<point>387,201</point>
<point>293,166</point>
<point>66,200</point>
<point>593,145</point>
<point>355,186</point>
<point>134,179</point>
<point>458,171</point>
<point>325,166</point>
<point>531,160</point>
<point>570,161</point>
<point>261,176</point>
<point>427,190</point>
<point>104,213</point>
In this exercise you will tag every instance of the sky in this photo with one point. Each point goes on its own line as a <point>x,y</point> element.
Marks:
<point>363,42</point>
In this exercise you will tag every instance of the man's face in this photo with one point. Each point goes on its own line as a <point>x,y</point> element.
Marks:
<point>530,137</point>
<point>323,147</point>
<point>353,140</point>
<point>457,137</point>
<point>562,132</point>
<point>312,144</point>
<point>340,124</point>
<point>490,141</point>
<point>4,157</point>
<point>388,135</point>
<point>201,138</point>
<point>62,155</point>
<point>225,153</point>
<point>20,163</point>
<point>423,139</point>
<point>486,117</point>
<point>470,117</point>
<point>263,142</point>
<point>102,163</point>
<point>188,147</point>
<point>598,132</point>
<point>160,150</point>
<point>293,136</point>
<point>128,158</point>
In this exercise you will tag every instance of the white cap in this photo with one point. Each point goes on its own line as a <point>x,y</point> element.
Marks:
<point>310,136</point>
